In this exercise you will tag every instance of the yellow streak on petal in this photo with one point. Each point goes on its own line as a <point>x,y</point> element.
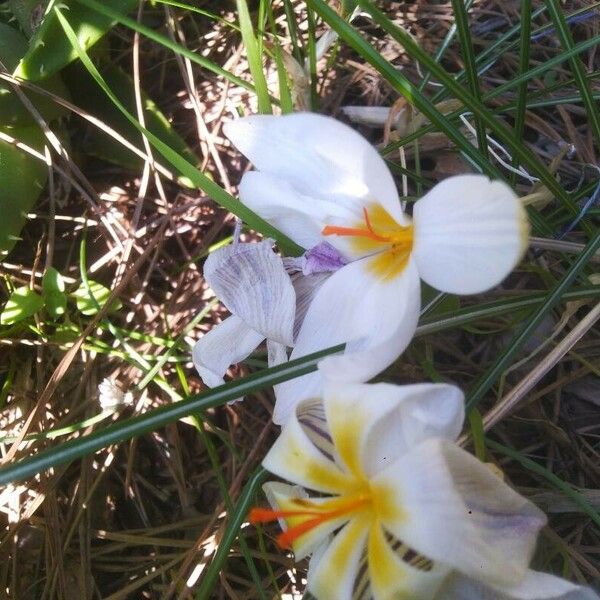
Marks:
<point>346,428</point>
<point>323,475</point>
<point>338,561</point>
<point>387,504</point>
<point>384,571</point>
<point>387,265</point>
<point>392,256</point>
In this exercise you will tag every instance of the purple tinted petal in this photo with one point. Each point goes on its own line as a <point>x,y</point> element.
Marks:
<point>323,258</point>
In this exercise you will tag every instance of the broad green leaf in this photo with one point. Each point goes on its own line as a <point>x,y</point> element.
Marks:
<point>64,334</point>
<point>22,178</point>
<point>89,305</point>
<point>22,303</point>
<point>53,290</point>
<point>50,50</point>
<point>104,146</point>
<point>13,47</point>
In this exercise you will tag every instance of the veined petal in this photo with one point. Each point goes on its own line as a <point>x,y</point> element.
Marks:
<point>334,575</point>
<point>284,497</point>
<point>320,157</point>
<point>457,512</point>
<point>295,458</point>
<point>252,283</point>
<point>374,424</point>
<point>470,233</point>
<point>226,344</point>
<point>535,586</point>
<point>306,287</point>
<point>392,577</point>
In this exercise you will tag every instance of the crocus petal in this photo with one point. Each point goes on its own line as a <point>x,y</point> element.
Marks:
<point>375,318</point>
<point>393,577</point>
<point>281,497</point>
<point>320,157</point>
<point>334,575</point>
<point>449,506</point>
<point>305,286</point>
<point>374,424</point>
<point>535,586</point>
<point>470,233</point>
<point>295,458</point>
<point>226,344</point>
<point>299,217</point>
<point>252,283</point>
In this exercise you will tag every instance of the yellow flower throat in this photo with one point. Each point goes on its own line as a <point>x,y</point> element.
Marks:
<point>379,235</point>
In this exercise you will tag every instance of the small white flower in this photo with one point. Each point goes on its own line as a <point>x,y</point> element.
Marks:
<point>401,510</point>
<point>320,181</point>
<point>111,397</point>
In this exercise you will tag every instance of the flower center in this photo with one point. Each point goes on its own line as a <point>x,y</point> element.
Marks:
<point>381,236</point>
<point>304,515</point>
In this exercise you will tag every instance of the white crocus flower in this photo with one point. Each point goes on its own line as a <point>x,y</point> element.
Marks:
<point>401,511</point>
<point>251,281</point>
<point>320,181</point>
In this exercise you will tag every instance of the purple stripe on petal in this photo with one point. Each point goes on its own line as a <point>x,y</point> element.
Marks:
<point>323,258</point>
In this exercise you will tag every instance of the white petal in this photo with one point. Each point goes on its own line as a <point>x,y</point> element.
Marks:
<point>295,458</point>
<point>535,586</point>
<point>333,577</point>
<point>320,157</point>
<point>226,344</point>
<point>276,353</point>
<point>299,217</point>
<point>252,283</point>
<point>470,233</point>
<point>377,423</point>
<point>376,318</point>
<point>447,505</point>
<point>290,393</point>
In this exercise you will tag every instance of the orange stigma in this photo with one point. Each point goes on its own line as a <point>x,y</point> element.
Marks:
<point>309,514</point>
<point>369,232</point>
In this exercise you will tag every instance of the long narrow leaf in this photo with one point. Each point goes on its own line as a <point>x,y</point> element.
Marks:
<point>254,57</point>
<point>160,417</point>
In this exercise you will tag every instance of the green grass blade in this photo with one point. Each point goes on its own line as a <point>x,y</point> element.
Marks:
<point>487,380</point>
<point>439,53</point>
<point>461,21</point>
<point>183,166</point>
<point>254,57</point>
<point>557,482</point>
<point>566,39</point>
<point>488,310</point>
<point>160,417</point>
<point>236,519</point>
